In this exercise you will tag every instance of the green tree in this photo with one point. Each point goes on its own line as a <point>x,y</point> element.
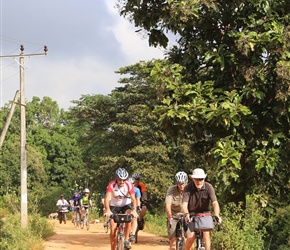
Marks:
<point>120,130</point>
<point>225,87</point>
<point>53,155</point>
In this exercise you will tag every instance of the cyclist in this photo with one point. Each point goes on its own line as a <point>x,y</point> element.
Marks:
<point>119,198</point>
<point>143,190</point>
<point>75,202</point>
<point>173,202</point>
<point>134,223</point>
<point>61,202</point>
<point>196,199</point>
<point>86,200</point>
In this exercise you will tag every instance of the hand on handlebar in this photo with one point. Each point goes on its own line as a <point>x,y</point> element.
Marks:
<point>187,218</point>
<point>108,213</point>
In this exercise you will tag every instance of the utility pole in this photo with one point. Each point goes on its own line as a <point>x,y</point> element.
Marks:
<point>23,165</point>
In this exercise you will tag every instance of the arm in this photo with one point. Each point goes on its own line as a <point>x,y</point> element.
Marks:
<point>134,202</point>
<point>216,210</point>
<point>107,204</point>
<point>168,211</point>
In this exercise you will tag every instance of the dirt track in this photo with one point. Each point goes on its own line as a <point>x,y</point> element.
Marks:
<point>70,238</point>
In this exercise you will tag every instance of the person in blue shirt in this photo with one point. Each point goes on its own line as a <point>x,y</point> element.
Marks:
<point>134,223</point>
<point>75,202</point>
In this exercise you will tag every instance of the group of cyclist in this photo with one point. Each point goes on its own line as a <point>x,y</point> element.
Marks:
<point>128,195</point>
<point>190,198</point>
<point>77,201</point>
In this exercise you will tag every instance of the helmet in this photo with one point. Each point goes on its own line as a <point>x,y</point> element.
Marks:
<point>132,180</point>
<point>121,173</point>
<point>76,192</point>
<point>181,177</point>
<point>61,195</point>
<point>86,190</point>
<point>136,176</point>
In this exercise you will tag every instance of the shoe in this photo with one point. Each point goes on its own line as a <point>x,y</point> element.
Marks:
<point>127,244</point>
<point>132,238</point>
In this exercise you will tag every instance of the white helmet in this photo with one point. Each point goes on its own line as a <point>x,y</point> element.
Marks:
<point>86,190</point>
<point>121,173</point>
<point>181,177</point>
<point>136,176</point>
<point>132,180</point>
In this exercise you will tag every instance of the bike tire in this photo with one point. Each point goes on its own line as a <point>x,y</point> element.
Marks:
<point>82,223</point>
<point>77,220</point>
<point>136,236</point>
<point>60,218</point>
<point>180,243</point>
<point>64,218</point>
<point>120,243</point>
<point>87,222</point>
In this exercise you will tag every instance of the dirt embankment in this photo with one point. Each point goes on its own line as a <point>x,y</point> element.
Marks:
<point>70,238</point>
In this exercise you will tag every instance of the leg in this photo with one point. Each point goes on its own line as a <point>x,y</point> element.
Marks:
<point>173,243</point>
<point>190,240</point>
<point>143,212</point>
<point>113,229</point>
<point>206,238</point>
<point>134,225</point>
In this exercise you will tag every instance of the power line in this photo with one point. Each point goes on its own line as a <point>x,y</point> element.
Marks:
<point>15,40</point>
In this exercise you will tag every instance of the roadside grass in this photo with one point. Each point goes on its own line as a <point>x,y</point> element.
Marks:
<point>156,224</point>
<point>13,237</point>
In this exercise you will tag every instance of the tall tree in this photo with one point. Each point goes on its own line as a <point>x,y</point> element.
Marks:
<point>226,86</point>
<point>120,130</point>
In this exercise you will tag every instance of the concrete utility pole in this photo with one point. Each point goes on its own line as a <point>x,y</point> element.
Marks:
<point>23,166</point>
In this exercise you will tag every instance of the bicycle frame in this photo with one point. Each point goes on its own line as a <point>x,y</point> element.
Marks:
<point>199,241</point>
<point>180,242</point>
<point>120,232</point>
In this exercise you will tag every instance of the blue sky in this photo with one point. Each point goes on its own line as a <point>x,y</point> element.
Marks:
<point>87,41</point>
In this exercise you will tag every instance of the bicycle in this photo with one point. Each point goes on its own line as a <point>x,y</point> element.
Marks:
<point>180,242</point>
<point>121,220</point>
<point>199,241</point>
<point>77,216</point>
<point>63,214</point>
<point>85,220</point>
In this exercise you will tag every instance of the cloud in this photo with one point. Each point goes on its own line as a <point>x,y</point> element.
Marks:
<point>87,42</point>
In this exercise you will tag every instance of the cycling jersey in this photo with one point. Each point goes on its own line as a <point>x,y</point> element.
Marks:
<point>120,195</point>
<point>76,200</point>
<point>86,199</point>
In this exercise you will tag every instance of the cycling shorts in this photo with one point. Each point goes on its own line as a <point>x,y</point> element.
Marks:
<point>117,210</point>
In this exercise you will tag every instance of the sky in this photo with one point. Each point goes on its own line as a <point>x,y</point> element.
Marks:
<point>87,41</point>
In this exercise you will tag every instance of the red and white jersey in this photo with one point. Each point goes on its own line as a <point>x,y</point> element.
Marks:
<point>120,196</point>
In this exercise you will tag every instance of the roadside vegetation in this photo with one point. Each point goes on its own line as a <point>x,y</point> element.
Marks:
<point>218,100</point>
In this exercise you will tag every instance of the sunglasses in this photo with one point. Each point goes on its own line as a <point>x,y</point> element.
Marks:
<point>200,179</point>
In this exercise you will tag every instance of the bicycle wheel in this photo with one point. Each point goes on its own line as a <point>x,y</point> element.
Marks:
<point>120,243</point>
<point>87,222</point>
<point>64,218</point>
<point>82,223</point>
<point>136,236</point>
<point>180,243</point>
<point>77,219</point>
<point>60,218</point>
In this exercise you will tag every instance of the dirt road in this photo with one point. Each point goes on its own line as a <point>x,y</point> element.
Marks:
<point>68,237</point>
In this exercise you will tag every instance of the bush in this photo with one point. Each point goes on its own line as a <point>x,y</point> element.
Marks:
<point>240,228</point>
<point>13,237</point>
<point>278,229</point>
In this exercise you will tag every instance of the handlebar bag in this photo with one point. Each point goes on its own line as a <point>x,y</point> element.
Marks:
<point>203,222</point>
<point>120,218</point>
